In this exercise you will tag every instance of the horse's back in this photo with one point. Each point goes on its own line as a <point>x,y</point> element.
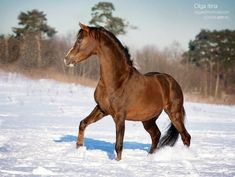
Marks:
<point>164,79</point>
<point>152,73</point>
<point>170,87</point>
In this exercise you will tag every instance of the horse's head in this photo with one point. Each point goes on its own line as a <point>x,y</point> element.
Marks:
<point>84,46</point>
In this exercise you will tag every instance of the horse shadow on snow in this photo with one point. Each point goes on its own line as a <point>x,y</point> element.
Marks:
<point>93,144</point>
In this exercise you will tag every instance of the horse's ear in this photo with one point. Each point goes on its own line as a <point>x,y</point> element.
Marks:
<point>84,27</point>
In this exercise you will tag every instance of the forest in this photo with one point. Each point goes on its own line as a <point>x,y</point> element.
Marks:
<point>205,70</point>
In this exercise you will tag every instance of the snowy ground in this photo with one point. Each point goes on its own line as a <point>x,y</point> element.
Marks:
<point>38,128</point>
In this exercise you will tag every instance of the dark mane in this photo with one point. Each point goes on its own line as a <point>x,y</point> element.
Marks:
<point>97,32</point>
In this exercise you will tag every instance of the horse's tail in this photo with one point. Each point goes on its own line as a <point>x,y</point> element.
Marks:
<point>171,136</point>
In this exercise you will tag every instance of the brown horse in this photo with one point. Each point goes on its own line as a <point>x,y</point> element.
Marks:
<point>126,94</point>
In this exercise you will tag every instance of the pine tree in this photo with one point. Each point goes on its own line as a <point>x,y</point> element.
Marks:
<point>102,15</point>
<point>33,21</point>
<point>215,52</point>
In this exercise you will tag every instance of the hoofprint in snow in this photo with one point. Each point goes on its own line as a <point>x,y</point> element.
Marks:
<point>38,128</point>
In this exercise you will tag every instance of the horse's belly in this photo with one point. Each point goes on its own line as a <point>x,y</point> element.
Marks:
<point>143,113</point>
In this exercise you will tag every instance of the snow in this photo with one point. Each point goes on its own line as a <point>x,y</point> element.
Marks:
<point>42,171</point>
<point>38,128</point>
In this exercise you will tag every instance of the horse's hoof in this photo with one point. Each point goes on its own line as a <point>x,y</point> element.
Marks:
<point>78,145</point>
<point>117,159</point>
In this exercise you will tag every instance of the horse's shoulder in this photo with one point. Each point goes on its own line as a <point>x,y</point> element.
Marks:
<point>101,96</point>
<point>100,89</point>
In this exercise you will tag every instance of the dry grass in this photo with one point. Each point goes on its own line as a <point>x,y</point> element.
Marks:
<point>228,100</point>
<point>49,73</point>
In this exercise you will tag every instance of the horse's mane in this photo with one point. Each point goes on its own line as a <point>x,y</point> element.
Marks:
<point>97,32</point>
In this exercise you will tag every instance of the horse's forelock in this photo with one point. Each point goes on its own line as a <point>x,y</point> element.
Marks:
<point>80,35</point>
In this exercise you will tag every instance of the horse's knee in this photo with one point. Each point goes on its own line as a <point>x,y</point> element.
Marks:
<point>82,125</point>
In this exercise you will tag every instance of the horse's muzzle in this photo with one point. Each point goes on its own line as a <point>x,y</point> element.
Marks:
<point>68,62</point>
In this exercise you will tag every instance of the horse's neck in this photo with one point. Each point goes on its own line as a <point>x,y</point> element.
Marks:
<point>114,69</point>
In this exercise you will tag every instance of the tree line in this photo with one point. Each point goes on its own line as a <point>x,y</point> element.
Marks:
<point>206,69</point>
<point>214,53</point>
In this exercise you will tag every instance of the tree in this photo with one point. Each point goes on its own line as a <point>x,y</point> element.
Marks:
<point>215,52</point>
<point>33,21</point>
<point>33,25</point>
<point>102,15</point>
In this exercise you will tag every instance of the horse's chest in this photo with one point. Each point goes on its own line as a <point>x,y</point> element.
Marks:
<point>109,103</point>
<point>102,99</point>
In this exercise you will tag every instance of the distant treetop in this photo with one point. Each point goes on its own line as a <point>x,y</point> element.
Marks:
<point>102,15</point>
<point>33,21</point>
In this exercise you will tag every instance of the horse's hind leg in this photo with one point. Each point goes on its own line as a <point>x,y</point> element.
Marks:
<point>177,114</point>
<point>94,116</point>
<point>151,127</point>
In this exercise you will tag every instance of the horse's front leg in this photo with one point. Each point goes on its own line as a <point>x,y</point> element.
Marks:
<point>94,116</point>
<point>120,130</point>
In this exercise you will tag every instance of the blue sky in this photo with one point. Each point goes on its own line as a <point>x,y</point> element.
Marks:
<point>159,22</point>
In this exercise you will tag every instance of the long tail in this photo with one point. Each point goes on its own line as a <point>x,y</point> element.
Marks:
<point>171,136</point>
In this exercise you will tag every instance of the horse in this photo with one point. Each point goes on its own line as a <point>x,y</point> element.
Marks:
<point>126,94</point>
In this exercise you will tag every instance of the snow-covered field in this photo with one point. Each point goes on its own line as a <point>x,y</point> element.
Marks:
<point>38,127</point>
